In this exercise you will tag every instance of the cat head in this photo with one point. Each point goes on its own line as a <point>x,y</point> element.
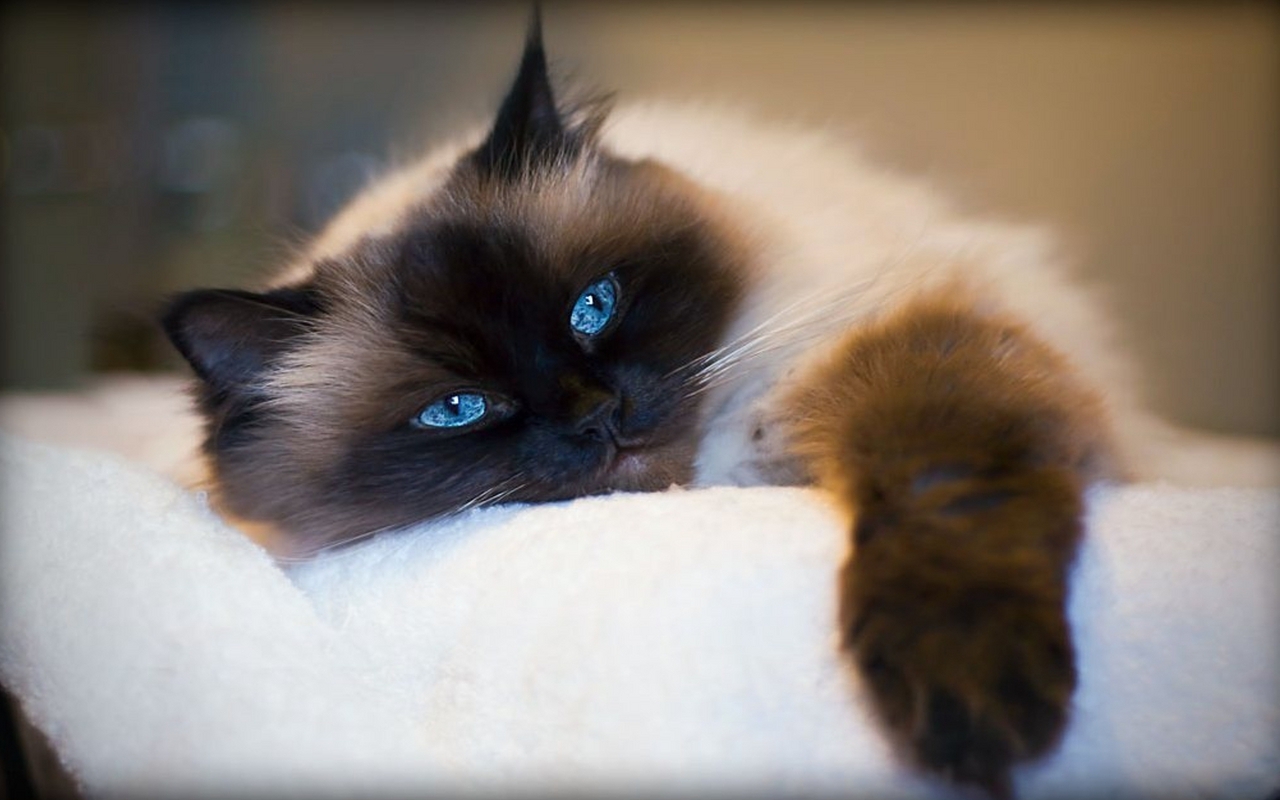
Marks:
<point>529,330</point>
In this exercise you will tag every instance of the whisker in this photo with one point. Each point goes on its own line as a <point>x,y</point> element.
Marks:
<point>764,338</point>
<point>713,369</point>
<point>490,496</point>
<point>742,339</point>
<point>308,555</point>
<point>706,383</point>
<point>494,494</point>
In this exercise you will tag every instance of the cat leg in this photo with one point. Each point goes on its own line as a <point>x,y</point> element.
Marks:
<point>961,445</point>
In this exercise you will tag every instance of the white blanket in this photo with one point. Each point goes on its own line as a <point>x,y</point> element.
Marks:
<point>678,642</point>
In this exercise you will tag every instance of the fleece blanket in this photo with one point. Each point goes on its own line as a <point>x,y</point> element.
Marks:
<point>675,643</point>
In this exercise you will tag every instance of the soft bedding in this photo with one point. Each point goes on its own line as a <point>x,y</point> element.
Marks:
<point>678,642</point>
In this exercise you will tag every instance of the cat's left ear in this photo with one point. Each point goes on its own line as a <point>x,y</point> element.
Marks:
<point>230,337</point>
<point>529,132</point>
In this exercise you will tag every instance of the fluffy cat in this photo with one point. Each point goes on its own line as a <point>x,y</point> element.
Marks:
<point>575,301</point>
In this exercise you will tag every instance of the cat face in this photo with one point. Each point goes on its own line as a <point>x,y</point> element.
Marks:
<point>529,332</point>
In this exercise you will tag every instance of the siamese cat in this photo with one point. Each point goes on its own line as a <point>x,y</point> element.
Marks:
<point>576,300</point>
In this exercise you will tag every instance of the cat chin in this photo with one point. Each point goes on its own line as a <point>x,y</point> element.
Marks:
<point>630,462</point>
<point>649,469</point>
<point>639,471</point>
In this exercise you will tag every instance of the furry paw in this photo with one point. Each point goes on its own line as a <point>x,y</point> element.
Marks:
<point>970,679</point>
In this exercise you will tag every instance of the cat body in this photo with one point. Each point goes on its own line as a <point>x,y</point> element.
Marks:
<point>572,301</point>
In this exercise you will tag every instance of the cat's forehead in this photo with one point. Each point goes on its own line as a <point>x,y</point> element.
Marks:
<point>542,237</point>
<point>475,254</point>
<point>598,206</point>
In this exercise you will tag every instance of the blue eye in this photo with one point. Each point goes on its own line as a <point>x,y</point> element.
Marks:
<point>594,307</point>
<point>453,411</point>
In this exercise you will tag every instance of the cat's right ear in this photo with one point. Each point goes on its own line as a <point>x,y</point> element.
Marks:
<point>529,130</point>
<point>229,337</point>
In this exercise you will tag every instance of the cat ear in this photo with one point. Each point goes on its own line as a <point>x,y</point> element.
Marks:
<point>529,130</point>
<point>229,337</point>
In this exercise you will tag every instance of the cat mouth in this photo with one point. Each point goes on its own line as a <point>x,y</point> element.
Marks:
<point>629,462</point>
<point>645,468</point>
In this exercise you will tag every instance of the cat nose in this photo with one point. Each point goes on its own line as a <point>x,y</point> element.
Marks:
<point>597,415</point>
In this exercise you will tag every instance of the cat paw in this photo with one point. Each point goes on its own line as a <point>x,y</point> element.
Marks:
<point>968,686</point>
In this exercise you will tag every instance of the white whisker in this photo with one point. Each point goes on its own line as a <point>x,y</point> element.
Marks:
<point>768,337</point>
<point>308,555</point>
<point>813,322</point>
<point>490,496</point>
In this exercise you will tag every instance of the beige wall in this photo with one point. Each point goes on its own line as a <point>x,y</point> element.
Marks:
<point>1147,135</point>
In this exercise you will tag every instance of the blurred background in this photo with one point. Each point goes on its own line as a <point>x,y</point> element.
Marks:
<point>151,147</point>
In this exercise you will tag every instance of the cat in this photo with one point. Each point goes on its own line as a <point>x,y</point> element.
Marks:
<point>579,299</point>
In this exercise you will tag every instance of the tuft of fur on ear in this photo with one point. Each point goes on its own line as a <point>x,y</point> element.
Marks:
<point>531,132</point>
<point>229,336</point>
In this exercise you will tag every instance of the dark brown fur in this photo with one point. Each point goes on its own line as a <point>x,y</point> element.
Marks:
<point>961,445</point>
